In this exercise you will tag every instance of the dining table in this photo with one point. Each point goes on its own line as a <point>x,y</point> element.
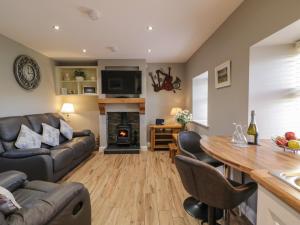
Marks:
<point>259,162</point>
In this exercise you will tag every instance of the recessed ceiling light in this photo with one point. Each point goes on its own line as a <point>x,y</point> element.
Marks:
<point>84,50</point>
<point>56,27</point>
<point>149,28</point>
<point>149,50</point>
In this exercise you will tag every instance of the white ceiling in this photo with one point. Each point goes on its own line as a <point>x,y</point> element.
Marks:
<point>180,27</point>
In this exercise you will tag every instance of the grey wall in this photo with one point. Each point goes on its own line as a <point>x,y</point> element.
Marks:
<point>13,99</point>
<point>160,103</point>
<point>251,22</point>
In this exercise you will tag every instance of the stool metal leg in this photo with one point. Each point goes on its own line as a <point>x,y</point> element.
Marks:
<point>227,216</point>
<point>227,171</point>
<point>243,182</point>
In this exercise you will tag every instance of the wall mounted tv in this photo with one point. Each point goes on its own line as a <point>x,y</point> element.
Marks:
<point>121,82</point>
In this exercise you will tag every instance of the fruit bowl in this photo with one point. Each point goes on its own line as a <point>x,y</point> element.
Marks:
<point>285,147</point>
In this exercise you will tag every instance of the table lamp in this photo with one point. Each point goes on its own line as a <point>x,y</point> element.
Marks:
<point>67,109</point>
<point>175,110</point>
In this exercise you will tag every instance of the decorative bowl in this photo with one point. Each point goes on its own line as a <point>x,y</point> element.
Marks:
<point>286,148</point>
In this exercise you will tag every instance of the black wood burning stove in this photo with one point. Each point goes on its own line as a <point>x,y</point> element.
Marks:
<point>124,131</point>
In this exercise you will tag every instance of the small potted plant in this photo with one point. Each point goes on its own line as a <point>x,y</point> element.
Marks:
<point>79,75</point>
<point>183,117</point>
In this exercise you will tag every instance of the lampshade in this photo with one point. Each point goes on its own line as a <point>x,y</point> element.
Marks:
<point>175,110</point>
<point>67,108</point>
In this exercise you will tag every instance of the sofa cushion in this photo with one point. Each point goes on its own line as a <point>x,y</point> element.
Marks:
<point>33,191</point>
<point>11,180</point>
<point>54,121</point>
<point>62,158</point>
<point>50,135</point>
<point>28,139</point>
<point>1,148</point>
<point>8,204</point>
<point>66,130</point>
<point>78,145</point>
<point>9,130</point>
<point>10,127</point>
<point>36,121</point>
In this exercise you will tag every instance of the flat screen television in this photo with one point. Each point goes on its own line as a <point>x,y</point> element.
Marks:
<point>121,82</point>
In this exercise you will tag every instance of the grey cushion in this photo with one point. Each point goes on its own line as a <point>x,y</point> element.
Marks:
<point>8,204</point>
<point>27,138</point>
<point>50,135</point>
<point>66,130</point>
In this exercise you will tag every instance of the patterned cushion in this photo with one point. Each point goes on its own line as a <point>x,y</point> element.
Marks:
<point>66,130</point>
<point>50,135</point>
<point>8,204</point>
<point>28,139</point>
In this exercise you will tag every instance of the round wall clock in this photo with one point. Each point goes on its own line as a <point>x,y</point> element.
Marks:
<point>27,72</point>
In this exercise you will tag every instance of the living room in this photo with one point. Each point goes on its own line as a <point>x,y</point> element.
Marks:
<point>149,112</point>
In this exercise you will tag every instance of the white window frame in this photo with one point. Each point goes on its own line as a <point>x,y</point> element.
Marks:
<point>200,99</point>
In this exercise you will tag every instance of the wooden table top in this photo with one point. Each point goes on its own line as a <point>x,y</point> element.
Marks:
<point>257,161</point>
<point>166,126</point>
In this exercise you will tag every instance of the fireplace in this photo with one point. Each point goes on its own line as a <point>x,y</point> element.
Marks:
<point>123,131</point>
<point>123,135</point>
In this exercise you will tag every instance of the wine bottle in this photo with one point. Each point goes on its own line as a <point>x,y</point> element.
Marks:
<point>252,130</point>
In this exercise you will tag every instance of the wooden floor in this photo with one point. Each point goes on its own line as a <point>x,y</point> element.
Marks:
<point>142,189</point>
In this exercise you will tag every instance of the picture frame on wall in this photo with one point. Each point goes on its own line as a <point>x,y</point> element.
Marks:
<point>223,75</point>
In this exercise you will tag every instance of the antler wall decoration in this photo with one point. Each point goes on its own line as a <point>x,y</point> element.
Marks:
<point>164,81</point>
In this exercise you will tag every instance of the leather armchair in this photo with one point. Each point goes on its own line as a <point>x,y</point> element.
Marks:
<point>46,203</point>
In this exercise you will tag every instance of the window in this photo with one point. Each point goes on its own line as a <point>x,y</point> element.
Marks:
<point>200,98</point>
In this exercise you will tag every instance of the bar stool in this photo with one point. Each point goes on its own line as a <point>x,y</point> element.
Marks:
<point>189,145</point>
<point>208,185</point>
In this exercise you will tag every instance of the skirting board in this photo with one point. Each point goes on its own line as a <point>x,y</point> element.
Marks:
<point>101,148</point>
<point>143,148</point>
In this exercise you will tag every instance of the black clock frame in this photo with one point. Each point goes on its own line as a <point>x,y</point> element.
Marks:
<point>20,62</point>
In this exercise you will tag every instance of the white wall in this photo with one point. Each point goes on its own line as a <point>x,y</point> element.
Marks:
<point>13,99</point>
<point>274,89</point>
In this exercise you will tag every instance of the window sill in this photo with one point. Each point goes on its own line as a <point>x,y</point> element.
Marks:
<point>201,123</point>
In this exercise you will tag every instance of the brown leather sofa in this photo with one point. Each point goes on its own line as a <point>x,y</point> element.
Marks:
<point>45,203</point>
<point>45,163</point>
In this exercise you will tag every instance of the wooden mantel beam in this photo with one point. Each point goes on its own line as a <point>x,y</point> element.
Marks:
<point>102,102</point>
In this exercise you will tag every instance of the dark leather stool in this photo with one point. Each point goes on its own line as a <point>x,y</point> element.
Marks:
<point>208,185</point>
<point>189,145</point>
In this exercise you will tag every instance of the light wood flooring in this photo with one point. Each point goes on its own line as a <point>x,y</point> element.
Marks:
<point>143,189</point>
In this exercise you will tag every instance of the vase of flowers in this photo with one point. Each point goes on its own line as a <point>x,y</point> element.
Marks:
<point>183,117</point>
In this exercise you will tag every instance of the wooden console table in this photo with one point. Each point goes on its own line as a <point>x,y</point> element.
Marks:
<point>162,135</point>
